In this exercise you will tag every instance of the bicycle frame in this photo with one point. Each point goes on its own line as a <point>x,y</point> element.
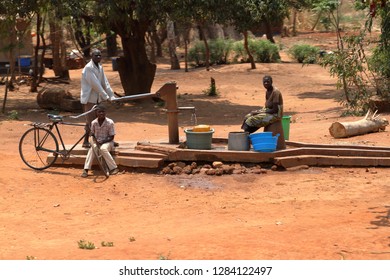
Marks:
<point>40,146</point>
<point>65,152</point>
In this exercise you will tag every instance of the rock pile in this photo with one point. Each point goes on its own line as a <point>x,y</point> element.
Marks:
<point>216,168</point>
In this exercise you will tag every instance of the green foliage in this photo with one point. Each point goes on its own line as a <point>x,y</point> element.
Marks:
<point>220,51</point>
<point>13,115</point>
<point>212,90</point>
<point>349,65</point>
<point>227,51</point>
<point>304,53</point>
<point>240,52</point>
<point>379,64</point>
<point>359,75</point>
<point>263,51</point>
<point>197,53</point>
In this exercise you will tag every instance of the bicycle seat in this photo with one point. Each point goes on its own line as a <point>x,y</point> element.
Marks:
<point>54,118</point>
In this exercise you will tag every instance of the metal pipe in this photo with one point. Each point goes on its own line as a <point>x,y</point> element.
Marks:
<point>186,108</point>
<point>134,97</point>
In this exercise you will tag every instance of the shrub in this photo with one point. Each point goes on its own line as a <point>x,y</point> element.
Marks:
<point>197,53</point>
<point>239,51</point>
<point>304,53</point>
<point>223,51</point>
<point>220,51</point>
<point>262,50</point>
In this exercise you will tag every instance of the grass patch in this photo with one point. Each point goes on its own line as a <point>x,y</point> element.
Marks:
<point>86,245</point>
<point>107,244</point>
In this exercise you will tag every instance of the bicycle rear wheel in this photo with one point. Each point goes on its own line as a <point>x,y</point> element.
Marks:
<point>99,157</point>
<point>38,148</point>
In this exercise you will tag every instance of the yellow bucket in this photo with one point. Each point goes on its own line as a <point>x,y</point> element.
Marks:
<point>201,128</point>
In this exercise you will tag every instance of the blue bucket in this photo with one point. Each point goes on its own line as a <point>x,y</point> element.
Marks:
<point>25,61</point>
<point>264,141</point>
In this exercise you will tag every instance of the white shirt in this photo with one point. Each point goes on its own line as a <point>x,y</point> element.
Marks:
<point>94,84</point>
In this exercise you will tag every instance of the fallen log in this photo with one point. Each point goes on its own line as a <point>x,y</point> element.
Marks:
<point>367,125</point>
<point>58,99</point>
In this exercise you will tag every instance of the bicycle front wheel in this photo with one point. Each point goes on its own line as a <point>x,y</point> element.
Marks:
<point>99,157</point>
<point>38,148</point>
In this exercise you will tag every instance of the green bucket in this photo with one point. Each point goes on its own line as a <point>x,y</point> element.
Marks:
<point>199,140</point>
<point>286,126</point>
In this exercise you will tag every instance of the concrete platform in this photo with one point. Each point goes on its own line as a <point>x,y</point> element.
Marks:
<point>153,155</point>
<point>124,155</point>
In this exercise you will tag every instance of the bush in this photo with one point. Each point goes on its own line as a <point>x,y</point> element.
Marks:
<point>197,53</point>
<point>240,54</point>
<point>304,53</point>
<point>220,51</point>
<point>262,50</point>
<point>224,51</point>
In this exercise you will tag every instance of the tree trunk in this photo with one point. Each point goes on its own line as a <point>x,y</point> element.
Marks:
<point>186,55</point>
<point>41,33</point>
<point>250,56</point>
<point>294,27</point>
<point>268,31</point>
<point>175,65</point>
<point>152,51</point>
<point>34,80</point>
<point>82,35</point>
<point>364,126</point>
<point>12,56</point>
<point>58,48</point>
<point>158,40</point>
<point>207,49</point>
<point>317,20</point>
<point>135,70</point>
<point>112,48</point>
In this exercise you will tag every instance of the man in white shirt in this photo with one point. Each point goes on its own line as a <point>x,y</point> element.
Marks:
<point>95,88</point>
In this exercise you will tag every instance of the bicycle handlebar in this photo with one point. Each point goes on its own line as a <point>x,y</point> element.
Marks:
<point>85,113</point>
<point>59,118</point>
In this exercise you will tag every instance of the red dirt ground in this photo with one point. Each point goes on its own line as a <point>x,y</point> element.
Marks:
<point>314,213</point>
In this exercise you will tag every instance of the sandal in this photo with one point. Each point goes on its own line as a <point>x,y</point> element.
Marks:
<point>84,174</point>
<point>86,145</point>
<point>114,171</point>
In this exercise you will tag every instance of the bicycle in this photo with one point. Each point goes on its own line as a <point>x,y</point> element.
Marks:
<point>39,148</point>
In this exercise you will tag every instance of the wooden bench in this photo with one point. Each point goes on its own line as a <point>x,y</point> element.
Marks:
<point>277,128</point>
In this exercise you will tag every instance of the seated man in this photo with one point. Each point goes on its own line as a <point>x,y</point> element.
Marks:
<point>104,131</point>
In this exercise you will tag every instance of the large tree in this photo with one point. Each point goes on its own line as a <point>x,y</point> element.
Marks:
<point>131,20</point>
